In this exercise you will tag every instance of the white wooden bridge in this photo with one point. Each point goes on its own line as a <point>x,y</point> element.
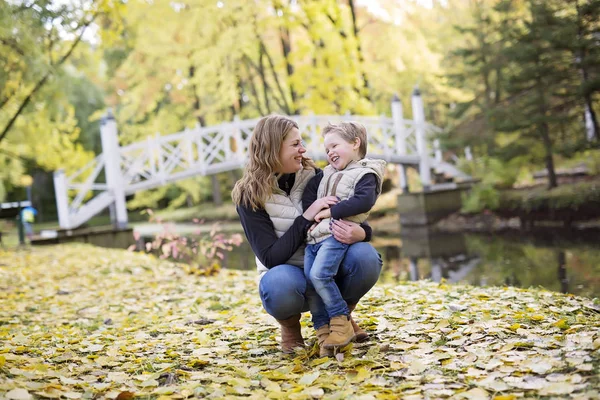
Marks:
<point>213,149</point>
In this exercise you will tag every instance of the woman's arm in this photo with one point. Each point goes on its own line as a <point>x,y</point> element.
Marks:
<point>310,191</point>
<point>265,244</point>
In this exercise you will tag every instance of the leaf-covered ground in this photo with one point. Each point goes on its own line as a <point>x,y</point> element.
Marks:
<point>83,322</point>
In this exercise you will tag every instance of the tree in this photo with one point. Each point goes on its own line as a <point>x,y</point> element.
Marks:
<point>539,84</point>
<point>38,128</point>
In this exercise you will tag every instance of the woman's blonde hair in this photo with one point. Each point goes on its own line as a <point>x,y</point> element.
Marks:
<point>257,183</point>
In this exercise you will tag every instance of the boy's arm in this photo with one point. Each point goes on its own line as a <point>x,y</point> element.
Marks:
<point>310,191</point>
<point>365,196</point>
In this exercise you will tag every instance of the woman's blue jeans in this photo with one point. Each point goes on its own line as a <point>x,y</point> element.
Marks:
<point>283,288</point>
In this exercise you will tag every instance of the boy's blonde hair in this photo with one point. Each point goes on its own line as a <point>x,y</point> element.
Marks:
<point>349,131</point>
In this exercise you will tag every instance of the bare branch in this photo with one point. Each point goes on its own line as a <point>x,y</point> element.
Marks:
<point>13,45</point>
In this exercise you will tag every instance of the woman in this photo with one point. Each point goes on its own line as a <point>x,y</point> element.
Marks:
<point>268,200</point>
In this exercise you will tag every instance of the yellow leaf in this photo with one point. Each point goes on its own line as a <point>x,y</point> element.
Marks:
<point>308,379</point>
<point>361,375</point>
<point>319,361</point>
<point>537,317</point>
<point>514,327</point>
<point>149,383</point>
<point>18,394</point>
<point>442,324</point>
<point>561,324</point>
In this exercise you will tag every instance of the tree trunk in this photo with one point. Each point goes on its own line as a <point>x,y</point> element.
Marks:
<point>286,47</point>
<point>261,72</point>
<point>544,129</point>
<point>216,190</point>
<point>216,187</point>
<point>361,58</point>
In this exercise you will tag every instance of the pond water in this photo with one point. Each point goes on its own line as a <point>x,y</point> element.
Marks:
<point>567,262</point>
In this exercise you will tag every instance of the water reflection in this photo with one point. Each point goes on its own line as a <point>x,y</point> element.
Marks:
<point>486,260</point>
<point>446,252</point>
<point>561,263</point>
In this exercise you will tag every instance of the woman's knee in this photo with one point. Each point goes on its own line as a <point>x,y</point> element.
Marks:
<point>364,257</point>
<point>359,273</point>
<point>282,291</point>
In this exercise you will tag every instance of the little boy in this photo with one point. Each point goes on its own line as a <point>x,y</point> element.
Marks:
<point>356,181</point>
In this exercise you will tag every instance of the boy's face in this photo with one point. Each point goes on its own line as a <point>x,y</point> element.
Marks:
<point>340,152</point>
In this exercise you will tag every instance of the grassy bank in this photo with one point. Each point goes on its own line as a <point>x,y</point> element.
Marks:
<point>567,203</point>
<point>109,323</point>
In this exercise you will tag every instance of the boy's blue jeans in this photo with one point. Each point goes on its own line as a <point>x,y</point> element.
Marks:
<point>284,289</point>
<point>321,264</point>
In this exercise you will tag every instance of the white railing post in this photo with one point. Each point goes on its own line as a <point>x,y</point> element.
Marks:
<point>112,167</point>
<point>62,199</point>
<point>188,149</point>
<point>468,154</point>
<point>438,150</point>
<point>314,137</point>
<point>200,147</point>
<point>419,118</point>
<point>400,139</point>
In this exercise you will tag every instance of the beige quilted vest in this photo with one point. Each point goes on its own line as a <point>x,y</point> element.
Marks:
<point>283,210</point>
<point>341,184</point>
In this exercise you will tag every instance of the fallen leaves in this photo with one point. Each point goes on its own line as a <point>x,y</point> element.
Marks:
<point>79,322</point>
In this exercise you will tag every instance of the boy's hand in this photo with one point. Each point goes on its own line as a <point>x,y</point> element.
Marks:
<point>326,213</point>
<point>318,205</point>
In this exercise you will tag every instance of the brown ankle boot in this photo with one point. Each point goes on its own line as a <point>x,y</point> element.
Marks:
<point>361,335</point>
<point>291,335</point>
<point>322,335</point>
<point>340,332</point>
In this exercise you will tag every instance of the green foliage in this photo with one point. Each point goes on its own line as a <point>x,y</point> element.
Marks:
<point>530,67</point>
<point>481,197</point>
<point>590,158</point>
<point>494,175</point>
<point>38,125</point>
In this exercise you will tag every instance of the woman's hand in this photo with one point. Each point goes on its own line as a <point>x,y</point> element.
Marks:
<point>319,204</point>
<point>347,232</point>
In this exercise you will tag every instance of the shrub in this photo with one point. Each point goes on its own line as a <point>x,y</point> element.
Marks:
<point>480,197</point>
<point>200,253</point>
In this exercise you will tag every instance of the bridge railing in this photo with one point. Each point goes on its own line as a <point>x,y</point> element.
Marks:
<point>124,170</point>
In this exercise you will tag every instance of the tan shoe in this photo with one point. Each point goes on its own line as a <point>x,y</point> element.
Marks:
<point>340,332</point>
<point>291,335</point>
<point>360,333</point>
<point>322,335</point>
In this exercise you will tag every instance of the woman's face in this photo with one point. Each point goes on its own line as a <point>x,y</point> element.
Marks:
<point>290,153</point>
